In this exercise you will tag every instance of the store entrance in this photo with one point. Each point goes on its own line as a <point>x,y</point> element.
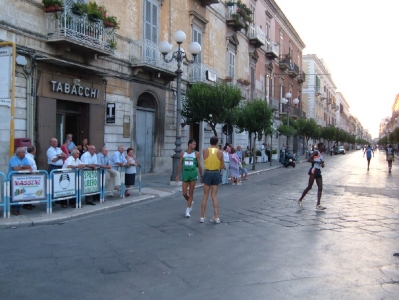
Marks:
<point>71,119</point>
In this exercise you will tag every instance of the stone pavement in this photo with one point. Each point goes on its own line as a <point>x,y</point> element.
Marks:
<point>152,186</point>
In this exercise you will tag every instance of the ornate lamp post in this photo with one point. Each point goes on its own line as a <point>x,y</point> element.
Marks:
<point>179,55</point>
<point>287,103</point>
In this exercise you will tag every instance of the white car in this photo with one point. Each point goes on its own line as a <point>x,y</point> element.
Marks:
<point>358,147</point>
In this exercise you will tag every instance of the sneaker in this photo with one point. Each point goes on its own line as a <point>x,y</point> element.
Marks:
<point>319,207</point>
<point>191,207</point>
<point>216,221</point>
<point>300,203</point>
<point>187,212</point>
<point>202,220</point>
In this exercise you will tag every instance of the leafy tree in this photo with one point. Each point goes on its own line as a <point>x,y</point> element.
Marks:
<point>213,104</point>
<point>307,128</point>
<point>288,130</point>
<point>254,117</point>
<point>328,133</point>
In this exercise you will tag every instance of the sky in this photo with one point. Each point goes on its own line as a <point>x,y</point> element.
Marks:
<point>358,41</point>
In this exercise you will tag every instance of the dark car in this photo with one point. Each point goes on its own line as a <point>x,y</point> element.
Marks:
<point>340,150</point>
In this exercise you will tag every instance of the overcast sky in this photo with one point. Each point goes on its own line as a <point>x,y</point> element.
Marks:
<point>358,41</point>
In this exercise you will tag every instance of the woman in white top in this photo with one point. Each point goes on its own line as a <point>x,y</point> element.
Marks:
<point>130,173</point>
<point>225,172</point>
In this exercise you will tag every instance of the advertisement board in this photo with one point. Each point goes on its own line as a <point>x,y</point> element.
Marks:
<point>90,181</point>
<point>28,187</point>
<point>5,75</point>
<point>64,184</point>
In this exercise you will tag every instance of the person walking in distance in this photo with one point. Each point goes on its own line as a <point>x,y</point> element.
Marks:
<point>225,172</point>
<point>368,151</point>
<point>317,160</point>
<point>213,161</point>
<point>189,162</point>
<point>390,156</point>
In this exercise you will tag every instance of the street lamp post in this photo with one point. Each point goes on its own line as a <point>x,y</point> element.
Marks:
<point>179,55</point>
<point>287,104</point>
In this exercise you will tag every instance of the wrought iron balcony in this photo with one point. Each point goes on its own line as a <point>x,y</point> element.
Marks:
<point>198,72</point>
<point>301,77</point>
<point>234,19</point>
<point>272,50</point>
<point>285,62</point>
<point>78,32</point>
<point>208,2</point>
<point>145,57</point>
<point>256,36</point>
<point>293,70</point>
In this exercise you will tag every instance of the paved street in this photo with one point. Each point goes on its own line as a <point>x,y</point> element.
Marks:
<point>265,248</point>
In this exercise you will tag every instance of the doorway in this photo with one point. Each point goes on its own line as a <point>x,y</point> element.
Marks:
<point>145,140</point>
<point>195,134</point>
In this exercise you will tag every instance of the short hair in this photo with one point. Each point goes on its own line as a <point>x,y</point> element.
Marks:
<point>190,141</point>
<point>19,149</point>
<point>320,144</point>
<point>66,140</point>
<point>214,140</point>
<point>74,150</point>
<point>232,150</point>
<point>128,149</point>
<point>30,149</point>
<point>102,148</point>
<point>225,147</point>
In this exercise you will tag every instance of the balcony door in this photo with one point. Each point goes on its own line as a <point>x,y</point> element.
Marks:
<point>197,70</point>
<point>151,32</point>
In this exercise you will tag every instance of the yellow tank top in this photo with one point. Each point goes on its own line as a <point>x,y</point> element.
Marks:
<point>212,162</point>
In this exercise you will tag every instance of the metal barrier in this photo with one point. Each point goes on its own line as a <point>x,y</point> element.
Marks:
<point>3,195</point>
<point>25,187</point>
<point>90,184</point>
<point>63,185</point>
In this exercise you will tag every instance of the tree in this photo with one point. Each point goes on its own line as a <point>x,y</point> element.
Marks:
<point>213,104</point>
<point>307,128</point>
<point>328,133</point>
<point>254,117</point>
<point>288,130</point>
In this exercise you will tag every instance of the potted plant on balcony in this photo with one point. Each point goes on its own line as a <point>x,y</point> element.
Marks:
<point>111,21</point>
<point>79,8</point>
<point>95,12</point>
<point>51,6</point>
<point>112,44</point>
<point>229,3</point>
<point>244,11</point>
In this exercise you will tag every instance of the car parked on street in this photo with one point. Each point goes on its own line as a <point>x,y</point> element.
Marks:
<point>358,147</point>
<point>340,150</point>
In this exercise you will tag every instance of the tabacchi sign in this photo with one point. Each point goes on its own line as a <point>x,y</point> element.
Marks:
<point>77,90</point>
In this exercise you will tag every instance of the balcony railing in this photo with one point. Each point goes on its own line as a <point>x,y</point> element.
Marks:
<point>272,50</point>
<point>201,73</point>
<point>293,70</point>
<point>208,2</point>
<point>301,77</point>
<point>285,62</point>
<point>80,32</point>
<point>144,53</point>
<point>256,36</point>
<point>234,19</point>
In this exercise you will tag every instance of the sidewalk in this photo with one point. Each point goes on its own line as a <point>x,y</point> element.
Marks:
<point>152,186</point>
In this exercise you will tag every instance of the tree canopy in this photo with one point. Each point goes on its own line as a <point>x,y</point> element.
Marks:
<point>213,104</point>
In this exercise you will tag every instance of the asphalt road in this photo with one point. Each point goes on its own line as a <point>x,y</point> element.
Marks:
<point>265,248</point>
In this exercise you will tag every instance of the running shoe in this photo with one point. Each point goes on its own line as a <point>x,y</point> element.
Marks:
<point>202,220</point>
<point>319,207</point>
<point>216,221</point>
<point>300,203</point>
<point>187,212</point>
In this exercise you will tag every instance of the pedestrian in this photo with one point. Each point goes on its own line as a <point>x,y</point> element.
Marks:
<point>234,167</point>
<point>118,160</point>
<point>72,162</point>
<point>54,155</point>
<point>263,153</point>
<point>390,157</point>
<point>213,161</point>
<point>225,172</point>
<point>105,162</point>
<point>243,171</point>
<point>317,160</point>
<point>130,173</point>
<point>71,144</point>
<point>89,159</point>
<point>268,152</point>
<point>239,153</point>
<point>368,151</point>
<point>18,162</point>
<point>282,153</point>
<point>64,148</point>
<point>248,154</point>
<point>189,163</point>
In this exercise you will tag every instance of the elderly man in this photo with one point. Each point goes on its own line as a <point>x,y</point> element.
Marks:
<point>105,162</point>
<point>18,162</point>
<point>72,162</point>
<point>55,156</point>
<point>89,158</point>
<point>118,159</point>
<point>71,144</point>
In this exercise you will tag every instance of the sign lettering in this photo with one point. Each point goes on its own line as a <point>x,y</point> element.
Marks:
<point>77,90</point>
